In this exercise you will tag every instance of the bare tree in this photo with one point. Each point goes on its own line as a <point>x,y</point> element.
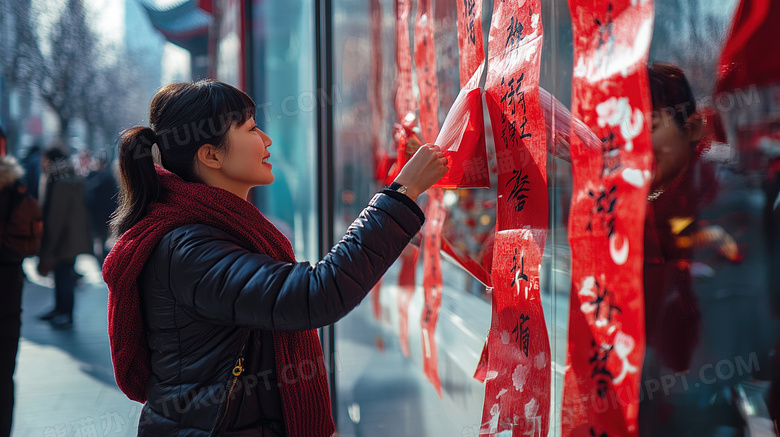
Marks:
<point>20,59</point>
<point>69,67</point>
<point>112,99</point>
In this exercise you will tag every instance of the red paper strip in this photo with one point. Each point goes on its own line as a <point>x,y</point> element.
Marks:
<point>517,373</point>
<point>512,90</point>
<point>404,98</point>
<point>375,94</point>
<point>517,394</point>
<point>472,267</point>
<point>606,315</point>
<point>462,138</point>
<point>435,214</point>
<point>425,63</point>
<point>471,49</point>
<point>406,284</point>
<point>405,103</point>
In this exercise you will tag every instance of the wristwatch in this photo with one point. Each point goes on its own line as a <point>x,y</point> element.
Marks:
<point>395,186</point>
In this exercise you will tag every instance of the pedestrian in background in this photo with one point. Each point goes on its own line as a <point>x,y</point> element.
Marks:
<point>101,197</point>
<point>20,232</point>
<point>65,232</point>
<point>32,169</point>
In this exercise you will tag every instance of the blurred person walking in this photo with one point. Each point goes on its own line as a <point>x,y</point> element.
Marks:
<point>101,197</point>
<point>20,232</point>
<point>32,169</point>
<point>65,233</point>
<point>205,294</point>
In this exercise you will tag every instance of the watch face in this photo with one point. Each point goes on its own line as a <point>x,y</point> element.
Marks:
<point>402,189</point>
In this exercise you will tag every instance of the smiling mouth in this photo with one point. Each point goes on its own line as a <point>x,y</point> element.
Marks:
<point>265,160</point>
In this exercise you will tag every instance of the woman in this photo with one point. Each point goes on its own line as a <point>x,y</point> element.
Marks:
<point>211,320</point>
<point>65,233</point>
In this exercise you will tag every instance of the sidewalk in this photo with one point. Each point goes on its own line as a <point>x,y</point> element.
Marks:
<point>64,380</point>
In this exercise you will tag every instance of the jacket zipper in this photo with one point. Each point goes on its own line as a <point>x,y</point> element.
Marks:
<point>238,369</point>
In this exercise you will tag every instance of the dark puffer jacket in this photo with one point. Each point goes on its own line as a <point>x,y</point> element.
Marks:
<point>204,294</point>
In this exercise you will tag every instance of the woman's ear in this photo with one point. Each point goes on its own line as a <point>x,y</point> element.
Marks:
<point>696,127</point>
<point>210,156</point>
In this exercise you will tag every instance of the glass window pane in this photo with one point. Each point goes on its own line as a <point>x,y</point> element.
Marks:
<point>284,91</point>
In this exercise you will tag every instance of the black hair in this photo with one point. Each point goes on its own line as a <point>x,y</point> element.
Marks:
<point>2,133</point>
<point>670,91</point>
<point>182,117</point>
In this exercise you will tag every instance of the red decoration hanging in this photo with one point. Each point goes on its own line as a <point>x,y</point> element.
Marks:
<point>516,361</point>
<point>435,214</point>
<point>425,63</point>
<point>471,49</point>
<point>462,136</point>
<point>406,284</point>
<point>610,94</point>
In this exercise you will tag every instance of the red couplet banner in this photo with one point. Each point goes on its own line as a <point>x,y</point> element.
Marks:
<point>435,215</point>
<point>610,94</point>
<point>471,49</point>
<point>406,284</point>
<point>404,97</point>
<point>405,103</point>
<point>517,356</point>
<point>425,63</point>
<point>425,66</point>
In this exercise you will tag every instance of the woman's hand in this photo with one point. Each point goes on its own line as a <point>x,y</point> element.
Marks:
<point>424,169</point>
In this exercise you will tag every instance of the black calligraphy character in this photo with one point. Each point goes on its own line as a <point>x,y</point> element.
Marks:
<point>523,332</point>
<point>508,132</point>
<point>610,155</point>
<point>509,105</point>
<point>606,31</point>
<point>599,362</point>
<point>594,434</point>
<point>523,133</point>
<point>521,183</point>
<point>470,17</point>
<point>604,208</point>
<point>607,299</point>
<point>515,32</point>
<point>522,274</point>
<point>428,313</point>
<point>513,88</point>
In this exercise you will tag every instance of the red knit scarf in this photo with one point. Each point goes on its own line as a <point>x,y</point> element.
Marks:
<point>306,404</point>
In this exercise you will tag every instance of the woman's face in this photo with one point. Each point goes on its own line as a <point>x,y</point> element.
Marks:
<point>672,148</point>
<point>246,159</point>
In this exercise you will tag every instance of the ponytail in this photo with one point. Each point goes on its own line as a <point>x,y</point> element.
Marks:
<point>139,183</point>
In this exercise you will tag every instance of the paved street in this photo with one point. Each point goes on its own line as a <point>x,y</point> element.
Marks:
<point>64,380</point>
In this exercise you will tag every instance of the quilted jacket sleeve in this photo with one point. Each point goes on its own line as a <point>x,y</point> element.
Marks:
<point>214,278</point>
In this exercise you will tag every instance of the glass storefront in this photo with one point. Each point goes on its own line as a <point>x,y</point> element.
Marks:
<point>732,329</point>
<point>283,67</point>
<point>712,244</point>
